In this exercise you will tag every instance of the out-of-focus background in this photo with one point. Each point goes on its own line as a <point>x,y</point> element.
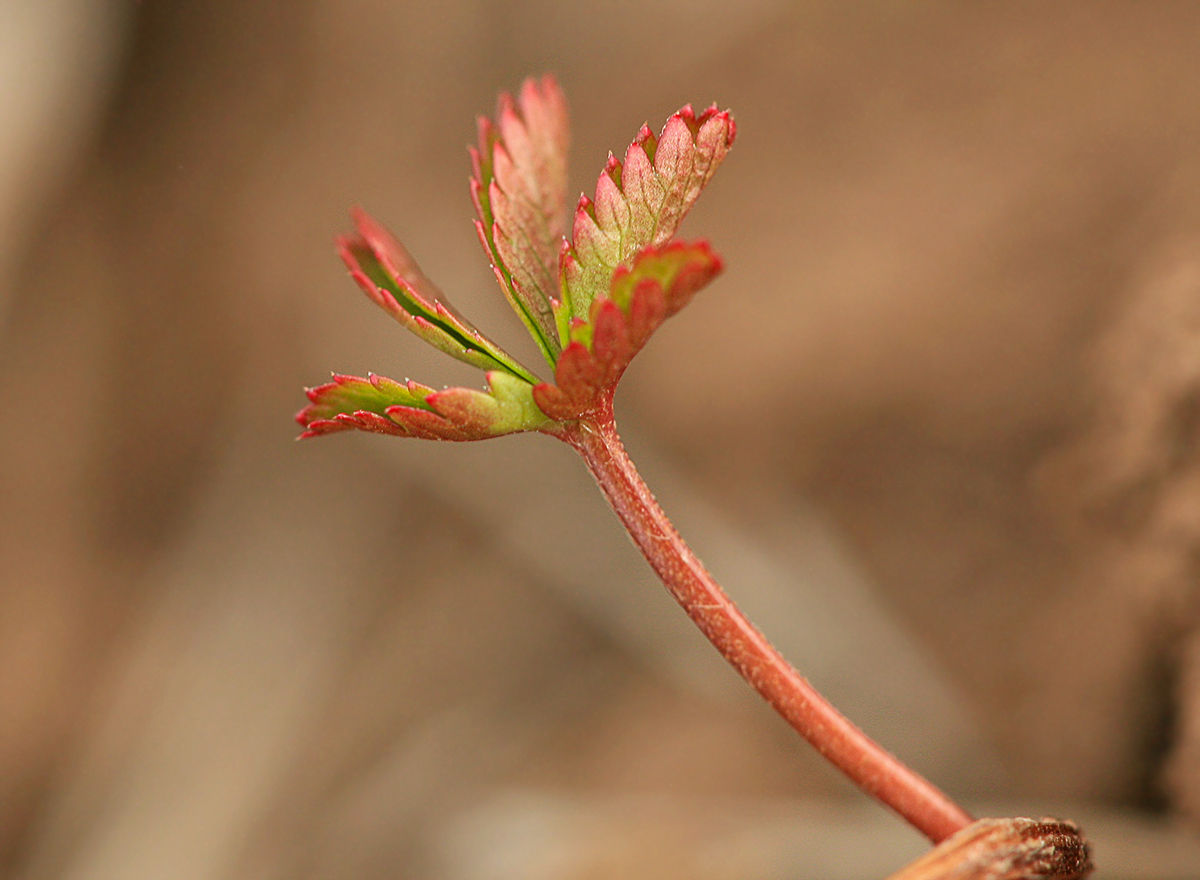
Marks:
<point>936,427</point>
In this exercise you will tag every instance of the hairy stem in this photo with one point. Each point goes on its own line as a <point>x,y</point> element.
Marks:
<point>868,765</point>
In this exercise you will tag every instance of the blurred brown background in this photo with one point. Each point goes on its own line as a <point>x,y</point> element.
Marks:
<point>936,427</point>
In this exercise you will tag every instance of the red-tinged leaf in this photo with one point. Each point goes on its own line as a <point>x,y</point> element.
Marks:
<point>577,379</point>
<point>578,371</point>
<point>321,427</point>
<point>680,268</point>
<point>647,309</point>
<point>373,423</point>
<point>520,195</point>
<point>350,394</point>
<point>394,257</point>
<point>384,406</point>
<point>660,282</point>
<point>388,275</point>
<point>555,403</point>
<point>360,420</point>
<point>640,202</point>
<point>465,407</point>
<point>425,425</point>
<point>505,408</point>
<point>610,335</point>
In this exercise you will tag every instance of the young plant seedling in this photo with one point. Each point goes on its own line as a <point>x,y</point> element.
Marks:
<point>591,287</point>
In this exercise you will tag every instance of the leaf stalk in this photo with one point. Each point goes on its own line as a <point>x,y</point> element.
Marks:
<point>871,767</point>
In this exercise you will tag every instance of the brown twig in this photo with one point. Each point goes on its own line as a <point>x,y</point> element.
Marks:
<point>1006,849</point>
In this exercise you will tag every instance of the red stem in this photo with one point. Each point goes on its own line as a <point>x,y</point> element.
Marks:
<point>868,765</point>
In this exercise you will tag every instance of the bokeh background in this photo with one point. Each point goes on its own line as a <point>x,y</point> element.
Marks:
<point>936,428</point>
